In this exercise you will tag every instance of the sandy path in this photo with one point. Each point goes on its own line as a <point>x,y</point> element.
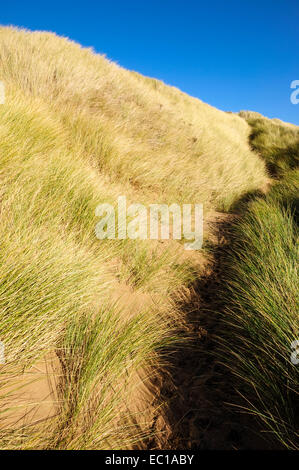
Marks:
<point>197,387</point>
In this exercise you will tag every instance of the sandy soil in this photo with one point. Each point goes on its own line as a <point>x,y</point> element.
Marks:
<point>198,389</point>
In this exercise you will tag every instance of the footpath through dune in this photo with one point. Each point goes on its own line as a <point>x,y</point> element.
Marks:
<point>198,389</point>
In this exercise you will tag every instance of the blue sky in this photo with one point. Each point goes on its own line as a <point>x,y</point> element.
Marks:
<point>233,54</point>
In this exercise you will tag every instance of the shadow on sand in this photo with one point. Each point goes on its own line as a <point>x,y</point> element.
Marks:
<point>197,388</point>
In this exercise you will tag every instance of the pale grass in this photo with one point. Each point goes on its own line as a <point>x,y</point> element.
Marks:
<point>77,130</point>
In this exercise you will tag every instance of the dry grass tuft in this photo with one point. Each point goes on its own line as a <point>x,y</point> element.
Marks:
<point>77,130</point>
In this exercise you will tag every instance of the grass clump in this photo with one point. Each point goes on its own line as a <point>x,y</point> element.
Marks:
<point>261,289</point>
<point>276,141</point>
<point>100,355</point>
<point>262,314</point>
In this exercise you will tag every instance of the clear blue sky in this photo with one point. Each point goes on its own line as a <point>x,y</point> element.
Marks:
<point>233,54</point>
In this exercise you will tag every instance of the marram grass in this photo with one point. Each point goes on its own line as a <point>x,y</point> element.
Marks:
<point>75,131</point>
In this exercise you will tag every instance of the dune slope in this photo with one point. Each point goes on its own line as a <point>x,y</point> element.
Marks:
<point>77,130</point>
